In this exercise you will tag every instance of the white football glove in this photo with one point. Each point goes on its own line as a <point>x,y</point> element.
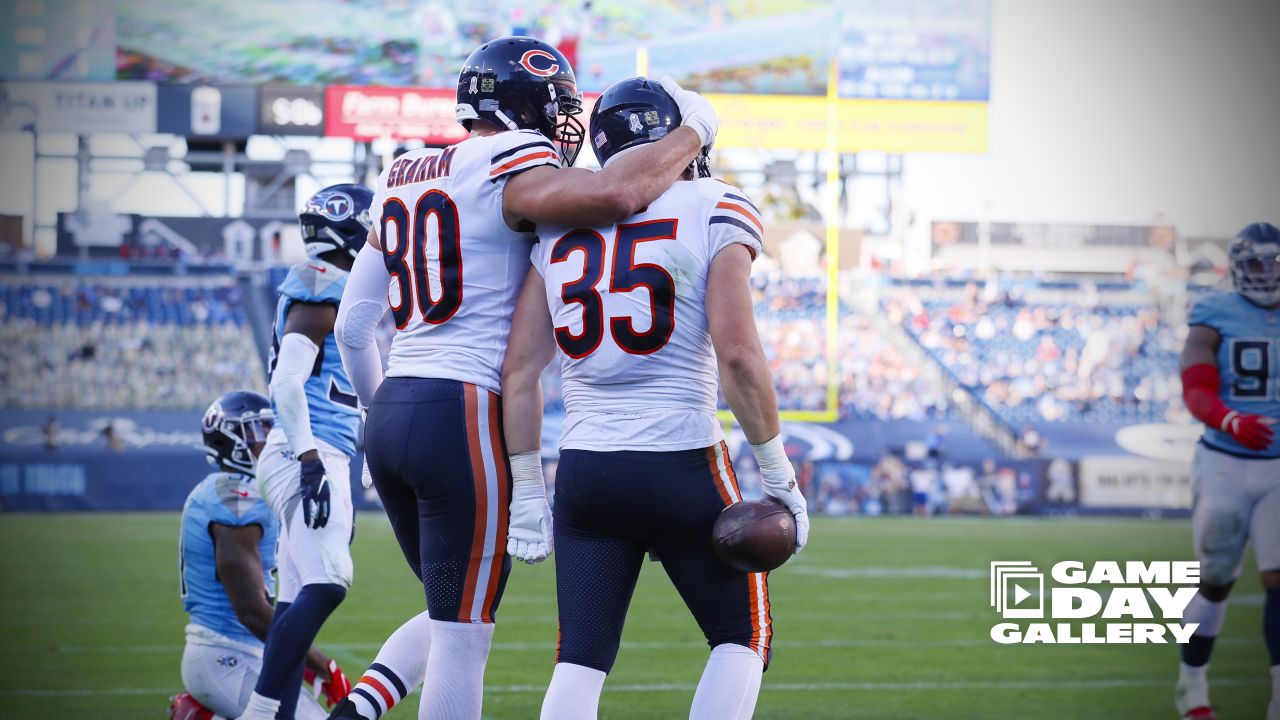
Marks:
<point>779,480</point>
<point>695,111</point>
<point>529,539</point>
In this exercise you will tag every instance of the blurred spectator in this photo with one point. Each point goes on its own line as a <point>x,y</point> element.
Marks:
<point>52,433</point>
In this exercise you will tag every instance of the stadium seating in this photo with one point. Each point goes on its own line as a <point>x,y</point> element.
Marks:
<point>876,379</point>
<point>1091,357</point>
<point>122,343</point>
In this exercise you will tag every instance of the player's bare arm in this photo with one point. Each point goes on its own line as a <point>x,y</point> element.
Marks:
<point>744,372</point>
<point>746,380</point>
<point>531,347</point>
<point>574,196</point>
<point>240,571</point>
<point>1201,347</point>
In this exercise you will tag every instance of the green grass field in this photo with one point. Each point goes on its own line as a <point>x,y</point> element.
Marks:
<point>879,618</point>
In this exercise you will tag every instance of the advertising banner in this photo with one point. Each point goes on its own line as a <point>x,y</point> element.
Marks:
<point>118,107</point>
<point>215,112</point>
<point>915,50</point>
<point>781,122</point>
<point>286,110</point>
<point>369,113</point>
<point>1132,482</point>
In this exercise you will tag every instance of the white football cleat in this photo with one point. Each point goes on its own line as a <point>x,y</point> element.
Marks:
<point>1191,698</point>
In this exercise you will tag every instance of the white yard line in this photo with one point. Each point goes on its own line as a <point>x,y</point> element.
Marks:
<point>768,687</point>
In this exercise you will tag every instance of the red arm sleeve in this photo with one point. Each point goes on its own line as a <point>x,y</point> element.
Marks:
<point>1200,385</point>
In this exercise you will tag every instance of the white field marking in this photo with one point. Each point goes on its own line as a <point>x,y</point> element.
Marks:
<point>770,687</point>
<point>951,573</point>
<point>349,650</point>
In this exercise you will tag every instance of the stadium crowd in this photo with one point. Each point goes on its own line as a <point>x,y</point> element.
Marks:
<point>123,345</point>
<point>1087,359</point>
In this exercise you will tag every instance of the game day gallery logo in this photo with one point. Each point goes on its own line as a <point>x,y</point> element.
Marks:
<point>1100,603</point>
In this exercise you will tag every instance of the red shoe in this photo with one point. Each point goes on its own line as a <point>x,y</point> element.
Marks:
<point>1204,712</point>
<point>185,707</point>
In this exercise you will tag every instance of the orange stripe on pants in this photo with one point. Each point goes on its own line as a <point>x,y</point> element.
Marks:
<point>504,506</point>
<point>482,506</point>
<point>717,477</point>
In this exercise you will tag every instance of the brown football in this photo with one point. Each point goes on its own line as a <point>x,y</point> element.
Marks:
<point>754,535</point>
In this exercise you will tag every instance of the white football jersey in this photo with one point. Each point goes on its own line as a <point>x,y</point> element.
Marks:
<point>456,268</point>
<point>628,303</point>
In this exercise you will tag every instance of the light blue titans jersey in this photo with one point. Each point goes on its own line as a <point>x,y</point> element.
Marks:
<point>1248,362</point>
<point>226,499</point>
<point>335,414</point>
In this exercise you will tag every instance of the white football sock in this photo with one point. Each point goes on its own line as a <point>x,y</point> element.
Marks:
<point>396,671</point>
<point>574,693</point>
<point>260,708</point>
<point>729,686</point>
<point>1208,614</point>
<point>454,684</point>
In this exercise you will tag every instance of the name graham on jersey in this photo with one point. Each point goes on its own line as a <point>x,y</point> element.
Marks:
<point>405,171</point>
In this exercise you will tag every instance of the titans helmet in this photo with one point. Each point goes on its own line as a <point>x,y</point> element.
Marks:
<point>521,83</point>
<point>232,425</point>
<point>634,112</point>
<point>1255,263</point>
<point>336,218</point>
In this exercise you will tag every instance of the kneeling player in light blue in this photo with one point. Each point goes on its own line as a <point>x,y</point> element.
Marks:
<point>226,559</point>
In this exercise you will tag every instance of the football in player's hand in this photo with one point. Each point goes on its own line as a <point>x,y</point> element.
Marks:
<point>754,535</point>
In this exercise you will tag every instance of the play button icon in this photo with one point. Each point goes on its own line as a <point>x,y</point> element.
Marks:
<point>1019,594</point>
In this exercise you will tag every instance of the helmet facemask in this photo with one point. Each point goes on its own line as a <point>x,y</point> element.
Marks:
<point>567,130</point>
<point>234,449</point>
<point>1256,274</point>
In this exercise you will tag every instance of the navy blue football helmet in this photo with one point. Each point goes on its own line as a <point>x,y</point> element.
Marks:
<point>1255,263</point>
<point>232,425</point>
<point>336,218</point>
<point>635,112</point>
<point>521,83</point>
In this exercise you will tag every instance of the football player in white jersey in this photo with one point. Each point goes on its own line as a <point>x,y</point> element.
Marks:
<point>448,251</point>
<point>644,312</point>
<point>1231,383</point>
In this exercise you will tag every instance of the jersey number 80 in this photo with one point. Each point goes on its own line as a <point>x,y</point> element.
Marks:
<point>407,261</point>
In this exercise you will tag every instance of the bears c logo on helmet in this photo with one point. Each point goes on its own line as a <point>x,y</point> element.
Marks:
<point>552,66</point>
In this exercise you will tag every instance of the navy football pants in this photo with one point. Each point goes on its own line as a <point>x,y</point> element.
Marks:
<point>613,507</point>
<point>436,454</point>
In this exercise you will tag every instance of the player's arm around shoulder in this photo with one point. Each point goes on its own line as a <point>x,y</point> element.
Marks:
<point>574,196</point>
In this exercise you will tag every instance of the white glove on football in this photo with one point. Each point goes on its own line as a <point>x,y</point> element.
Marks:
<point>529,538</point>
<point>695,111</point>
<point>779,480</point>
